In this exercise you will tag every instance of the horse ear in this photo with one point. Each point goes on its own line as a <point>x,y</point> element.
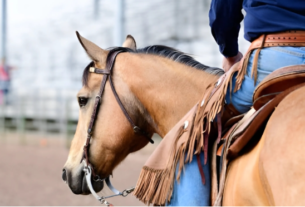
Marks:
<point>130,42</point>
<point>96,53</point>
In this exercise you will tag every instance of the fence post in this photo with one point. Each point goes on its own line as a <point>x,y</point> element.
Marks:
<point>21,120</point>
<point>119,29</point>
<point>3,31</point>
<point>67,132</point>
<point>2,123</point>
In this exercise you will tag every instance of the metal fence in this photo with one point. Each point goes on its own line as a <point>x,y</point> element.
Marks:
<point>38,115</point>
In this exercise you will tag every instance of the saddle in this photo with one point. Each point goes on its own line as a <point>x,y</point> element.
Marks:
<point>266,97</point>
<point>268,94</point>
<point>277,82</point>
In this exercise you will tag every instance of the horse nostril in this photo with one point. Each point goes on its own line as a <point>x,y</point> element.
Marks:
<point>64,175</point>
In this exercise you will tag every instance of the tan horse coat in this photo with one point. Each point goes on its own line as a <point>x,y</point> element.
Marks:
<point>273,173</point>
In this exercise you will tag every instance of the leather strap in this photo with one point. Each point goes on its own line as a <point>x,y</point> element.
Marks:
<point>136,129</point>
<point>200,169</point>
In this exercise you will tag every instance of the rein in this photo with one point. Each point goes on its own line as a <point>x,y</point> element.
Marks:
<point>89,169</point>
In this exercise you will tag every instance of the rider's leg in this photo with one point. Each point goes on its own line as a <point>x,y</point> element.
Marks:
<point>269,60</point>
<point>190,191</point>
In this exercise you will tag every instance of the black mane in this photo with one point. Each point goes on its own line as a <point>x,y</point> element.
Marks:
<point>162,51</point>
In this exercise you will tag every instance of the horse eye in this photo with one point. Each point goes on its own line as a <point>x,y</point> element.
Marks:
<point>82,101</point>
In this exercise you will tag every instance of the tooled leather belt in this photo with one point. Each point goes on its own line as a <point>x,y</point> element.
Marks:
<point>280,39</point>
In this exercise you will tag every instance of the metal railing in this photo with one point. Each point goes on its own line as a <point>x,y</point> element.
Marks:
<point>43,115</point>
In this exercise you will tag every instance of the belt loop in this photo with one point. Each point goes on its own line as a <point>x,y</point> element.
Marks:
<point>263,42</point>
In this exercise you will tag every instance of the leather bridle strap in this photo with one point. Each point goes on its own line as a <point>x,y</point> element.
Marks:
<point>136,129</point>
<point>107,73</point>
<point>92,122</point>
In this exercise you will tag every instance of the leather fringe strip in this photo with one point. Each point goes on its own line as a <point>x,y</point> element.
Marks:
<point>244,63</point>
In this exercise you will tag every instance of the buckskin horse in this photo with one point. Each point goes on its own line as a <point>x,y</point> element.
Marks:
<point>149,91</point>
<point>157,85</point>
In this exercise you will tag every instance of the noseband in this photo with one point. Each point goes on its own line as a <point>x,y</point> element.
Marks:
<point>89,170</point>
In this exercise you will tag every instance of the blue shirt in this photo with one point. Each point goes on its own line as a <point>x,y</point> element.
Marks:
<point>262,17</point>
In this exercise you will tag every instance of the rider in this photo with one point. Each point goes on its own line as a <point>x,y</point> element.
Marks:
<point>262,17</point>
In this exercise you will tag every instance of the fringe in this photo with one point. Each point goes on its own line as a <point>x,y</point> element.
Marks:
<point>203,119</point>
<point>155,186</point>
<point>242,71</point>
<point>244,63</point>
<point>254,65</point>
<point>152,187</point>
<point>198,131</point>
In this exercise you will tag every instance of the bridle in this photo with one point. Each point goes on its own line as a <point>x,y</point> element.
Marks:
<point>89,169</point>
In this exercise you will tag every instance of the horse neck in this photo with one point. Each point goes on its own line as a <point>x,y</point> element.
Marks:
<point>167,90</point>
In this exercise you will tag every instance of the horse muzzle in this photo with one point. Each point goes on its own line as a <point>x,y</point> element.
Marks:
<point>78,183</point>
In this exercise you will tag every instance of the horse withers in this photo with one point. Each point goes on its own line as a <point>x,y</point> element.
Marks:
<point>157,85</point>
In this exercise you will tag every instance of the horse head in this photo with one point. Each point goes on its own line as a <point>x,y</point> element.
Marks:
<point>157,86</point>
<point>113,138</point>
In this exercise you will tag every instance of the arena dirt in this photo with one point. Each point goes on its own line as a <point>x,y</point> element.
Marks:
<point>31,175</point>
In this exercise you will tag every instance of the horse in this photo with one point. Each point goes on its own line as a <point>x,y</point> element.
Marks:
<point>158,85</point>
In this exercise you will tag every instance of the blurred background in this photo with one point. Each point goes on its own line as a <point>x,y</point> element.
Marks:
<point>40,74</point>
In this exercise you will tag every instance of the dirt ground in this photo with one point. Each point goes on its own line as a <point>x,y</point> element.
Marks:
<point>31,174</point>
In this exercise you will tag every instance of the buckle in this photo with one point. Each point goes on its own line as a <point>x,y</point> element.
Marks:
<point>92,69</point>
<point>136,129</point>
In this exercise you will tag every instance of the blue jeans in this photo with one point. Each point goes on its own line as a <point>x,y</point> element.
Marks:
<point>190,191</point>
<point>269,60</point>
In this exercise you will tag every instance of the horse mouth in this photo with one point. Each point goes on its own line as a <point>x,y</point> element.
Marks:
<point>78,183</point>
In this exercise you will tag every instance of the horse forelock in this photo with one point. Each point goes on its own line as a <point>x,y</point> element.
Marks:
<point>163,51</point>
